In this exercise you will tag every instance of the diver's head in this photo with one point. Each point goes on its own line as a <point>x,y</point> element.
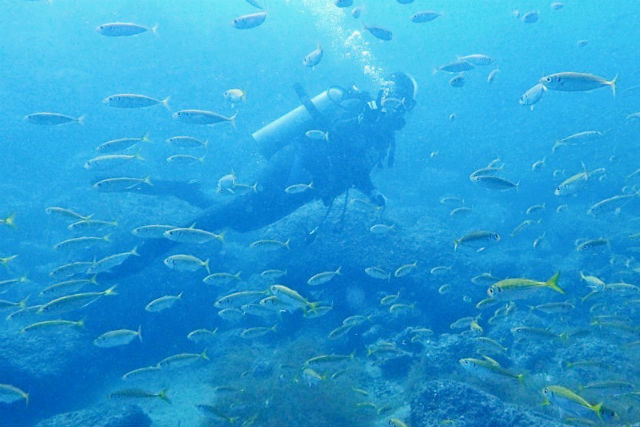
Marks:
<point>398,94</point>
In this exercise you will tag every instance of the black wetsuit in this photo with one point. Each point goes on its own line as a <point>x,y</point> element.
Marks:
<point>355,145</point>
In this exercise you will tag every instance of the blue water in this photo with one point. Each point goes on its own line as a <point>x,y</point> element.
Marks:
<point>54,60</point>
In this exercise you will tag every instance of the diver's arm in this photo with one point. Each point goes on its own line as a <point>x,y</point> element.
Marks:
<point>365,186</point>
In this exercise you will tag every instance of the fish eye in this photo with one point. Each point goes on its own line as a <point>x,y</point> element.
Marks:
<point>547,79</point>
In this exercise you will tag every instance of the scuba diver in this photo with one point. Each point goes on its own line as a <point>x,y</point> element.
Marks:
<point>332,141</point>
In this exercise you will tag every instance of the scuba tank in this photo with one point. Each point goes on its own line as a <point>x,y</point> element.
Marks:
<point>314,113</point>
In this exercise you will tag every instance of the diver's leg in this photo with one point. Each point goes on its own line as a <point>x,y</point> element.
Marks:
<point>271,203</point>
<point>190,192</point>
<point>244,213</point>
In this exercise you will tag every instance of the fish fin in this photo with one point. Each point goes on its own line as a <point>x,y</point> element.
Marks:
<point>163,395</point>
<point>111,291</point>
<point>612,83</point>
<point>23,303</point>
<point>165,103</point>
<point>232,119</point>
<point>11,220</point>
<point>491,360</point>
<point>553,283</point>
<point>597,408</point>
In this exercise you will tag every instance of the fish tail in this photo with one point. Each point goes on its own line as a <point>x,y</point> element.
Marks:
<point>111,291</point>
<point>163,395</point>
<point>145,137</point>
<point>598,410</point>
<point>612,83</point>
<point>23,303</point>
<point>11,220</point>
<point>80,119</point>
<point>553,283</point>
<point>456,243</point>
<point>206,265</point>
<point>139,333</point>
<point>204,354</point>
<point>520,378</point>
<point>154,29</point>
<point>232,119</point>
<point>165,103</point>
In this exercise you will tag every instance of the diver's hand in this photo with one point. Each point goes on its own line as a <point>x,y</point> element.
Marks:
<point>378,199</point>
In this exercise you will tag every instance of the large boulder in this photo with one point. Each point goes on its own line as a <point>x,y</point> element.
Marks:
<point>464,405</point>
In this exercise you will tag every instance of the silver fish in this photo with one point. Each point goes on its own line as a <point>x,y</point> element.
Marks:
<point>478,59</point>
<point>530,17</point>
<point>109,185</point>
<point>457,81</point>
<point>123,29</point>
<point>187,142</point>
<point>495,182</point>
<point>252,20</point>
<point>424,16</point>
<point>121,144</point>
<point>379,32</point>
<point>533,95</point>
<point>202,117</point>
<point>52,119</point>
<point>313,58</point>
<point>456,67</point>
<point>117,338</point>
<point>133,100</point>
<point>577,82</point>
